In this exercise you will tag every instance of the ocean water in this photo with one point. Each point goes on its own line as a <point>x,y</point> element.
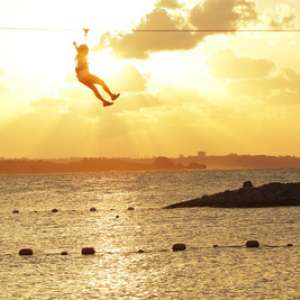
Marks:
<point>118,270</point>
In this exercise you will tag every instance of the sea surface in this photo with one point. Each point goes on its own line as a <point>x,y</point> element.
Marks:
<point>134,257</point>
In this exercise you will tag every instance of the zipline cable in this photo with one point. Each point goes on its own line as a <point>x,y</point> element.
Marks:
<point>156,30</point>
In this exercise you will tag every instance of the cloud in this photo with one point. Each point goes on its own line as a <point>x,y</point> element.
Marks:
<point>284,97</point>
<point>223,14</point>
<point>129,79</point>
<point>281,17</point>
<point>3,88</point>
<point>209,14</point>
<point>126,102</point>
<point>282,87</point>
<point>70,77</point>
<point>49,103</point>
<point>256,87</point>
<point>84,128</point>
<point>141,44</point>
<point>179,95</point>
<point>259,78</point>
<point>84,102</point>
<point>226,64</point>
<point>171,4</point>
<point>292,77</point>
<point>175,120</point>
<point>45,133</point>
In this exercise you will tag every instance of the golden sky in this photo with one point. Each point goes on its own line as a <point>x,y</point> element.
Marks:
<point>181,92</point>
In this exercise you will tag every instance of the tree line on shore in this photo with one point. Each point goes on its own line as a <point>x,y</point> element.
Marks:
<point>102,164</point>
<point>161,163</point>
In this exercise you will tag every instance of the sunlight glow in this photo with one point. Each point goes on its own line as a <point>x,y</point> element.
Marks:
<point>104,64</point>
<point>220,92</point>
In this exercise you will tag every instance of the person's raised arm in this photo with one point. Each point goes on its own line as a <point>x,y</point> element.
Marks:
<point>75,44</point>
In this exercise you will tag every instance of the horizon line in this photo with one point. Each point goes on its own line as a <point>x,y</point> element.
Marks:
<point>147,157</point>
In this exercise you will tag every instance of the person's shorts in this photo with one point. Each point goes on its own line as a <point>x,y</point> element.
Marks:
<point>83,75</point>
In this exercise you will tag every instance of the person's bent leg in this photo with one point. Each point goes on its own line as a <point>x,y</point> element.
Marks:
<point>99,81</point>
<point>96,93</point>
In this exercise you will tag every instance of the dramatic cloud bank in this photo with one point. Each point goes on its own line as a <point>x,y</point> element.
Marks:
<point>223,14</point>
<point>259,78</point>
<point>226,64</point>
<point>209,14</point>
<point>282,16</point>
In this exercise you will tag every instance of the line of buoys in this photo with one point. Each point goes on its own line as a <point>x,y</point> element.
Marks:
<point>26,251</point>
<point>175,247</point>
<point>92,209</point>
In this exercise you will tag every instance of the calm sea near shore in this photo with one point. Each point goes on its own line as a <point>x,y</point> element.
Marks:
<point>117,270</point>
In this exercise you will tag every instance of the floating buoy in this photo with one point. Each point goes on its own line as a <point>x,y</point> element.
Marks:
<point>179,247</point>
<point>15,211</point>
<point>26,251</point>
<point>117,217</point>
<point>252,244</point>
<point>215,246</point>
<point>88,251</point>
<point>64,253</point>
<point>54,210</point>
<point>93,209</point>
<point>141,251</point>
<point>130,208</point>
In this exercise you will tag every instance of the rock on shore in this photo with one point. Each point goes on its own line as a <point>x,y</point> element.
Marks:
<point>268,195</point>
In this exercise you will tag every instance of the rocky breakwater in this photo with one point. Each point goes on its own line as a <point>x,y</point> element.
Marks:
<point>268,195</point>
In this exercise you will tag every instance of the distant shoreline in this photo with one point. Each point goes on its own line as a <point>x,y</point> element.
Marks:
<point>160,163</point>
<point>89,165</point>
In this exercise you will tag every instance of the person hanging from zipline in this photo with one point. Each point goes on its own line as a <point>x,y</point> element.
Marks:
<point>84,76</point>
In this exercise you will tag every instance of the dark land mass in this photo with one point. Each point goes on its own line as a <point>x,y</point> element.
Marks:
<point>268,195</point>
<point>89,165</point>
<point>161,163</point>
<point>234,161</point>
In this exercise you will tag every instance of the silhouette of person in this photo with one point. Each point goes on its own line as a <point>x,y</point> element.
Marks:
<point>84,76</point>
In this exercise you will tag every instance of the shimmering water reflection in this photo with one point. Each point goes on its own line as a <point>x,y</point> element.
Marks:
<point>117,270</point>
